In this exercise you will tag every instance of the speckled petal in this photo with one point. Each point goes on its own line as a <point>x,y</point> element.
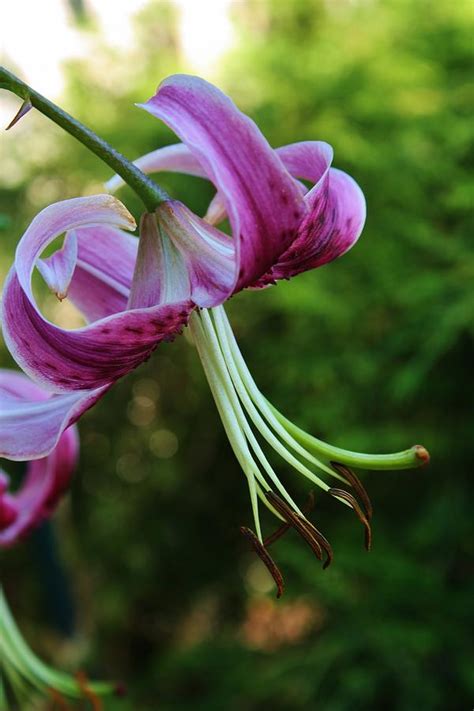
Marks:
<point>263,202</point>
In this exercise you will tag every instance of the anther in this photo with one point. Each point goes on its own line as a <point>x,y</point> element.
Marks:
<point>87,693</point>
<point>58,700</point>
<point>266,559</point>
<point>314,538</point>
<point>357,485</point>
<point>281,530</point>
<point>342,494</point>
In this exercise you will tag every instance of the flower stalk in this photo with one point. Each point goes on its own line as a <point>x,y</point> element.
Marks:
<point>146,189</point>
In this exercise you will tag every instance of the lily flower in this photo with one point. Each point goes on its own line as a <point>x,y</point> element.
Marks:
<point>45,479</point>
<point>133,298</point>
<point>44,483</point>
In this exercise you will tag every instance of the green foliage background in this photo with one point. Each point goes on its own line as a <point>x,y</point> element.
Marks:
<point>373,352</point>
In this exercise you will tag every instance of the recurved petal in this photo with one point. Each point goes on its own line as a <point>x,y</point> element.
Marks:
<point>93,356</point>
<point>336,212</point>
<point>307,160</point>
<point>45,482</point>
<point>181,257</point>
<point>62,217</point>
<point>208,254</point>
<point>89,357</point>
<point>31,420</point>
<point>57,270</point>
<point>176,158</point>
<point>262,200</point>
<point>102,279</point>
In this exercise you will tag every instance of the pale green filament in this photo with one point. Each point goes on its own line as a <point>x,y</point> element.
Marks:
<point>242,406</point>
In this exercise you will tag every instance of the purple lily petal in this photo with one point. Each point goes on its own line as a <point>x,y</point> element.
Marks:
<point>93,356</point>
<point>160,273</point>
<point>310,161</point>
<point>262,200</point>
<point>182,257</point>
<point>307,160</point>
<point>335,217</point>
<point>45,482</point>
<point>102,280</point>
<point>89,357</point>
<point>37,432</point>
<point>58,269</point>
<point>31,420</point>
<point>176,158</point>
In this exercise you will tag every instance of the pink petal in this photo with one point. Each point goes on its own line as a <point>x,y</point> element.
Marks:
<point>31,420</point>
<point>101,283</point>
<point>160,272</point>
<point>58,269</point>
<point>47,477</point>
<point>93,356</point>
<point>336,212</point>
<point>181,257</point>
<point>176,158</point>
<point>88,357</point>
<point>263,202</point>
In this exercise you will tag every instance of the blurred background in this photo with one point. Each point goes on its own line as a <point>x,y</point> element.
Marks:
<point>143,575</point>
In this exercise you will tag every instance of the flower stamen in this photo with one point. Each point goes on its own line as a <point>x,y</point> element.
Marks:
<point>87,693</point>
<point>352,501</point>
<point>314,538</point>
<point>58,700</point>
<point>356,483</point>
<point>266,559</point>
<point>281,530</point>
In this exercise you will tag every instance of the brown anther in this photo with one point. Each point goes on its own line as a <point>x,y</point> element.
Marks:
<point>314,538</point>
<point>342,494</point>
<point>266,559</point>
<point>58,700</point>
<point>281,530</point>
<point>87,693</point>
<point>323,542</point>
<point>357,485</point>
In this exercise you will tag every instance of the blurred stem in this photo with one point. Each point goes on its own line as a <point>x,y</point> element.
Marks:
<point>148,191</point>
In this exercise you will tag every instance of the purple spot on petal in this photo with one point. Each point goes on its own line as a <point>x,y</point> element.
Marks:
<point>133,329</point>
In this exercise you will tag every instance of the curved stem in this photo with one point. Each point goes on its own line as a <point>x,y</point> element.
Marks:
<point>149,192</point>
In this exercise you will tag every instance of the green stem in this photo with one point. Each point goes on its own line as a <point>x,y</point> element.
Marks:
<point>149,192</point>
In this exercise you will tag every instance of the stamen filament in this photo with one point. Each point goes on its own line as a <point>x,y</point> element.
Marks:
<point>228,415</point>
<point>255,416</point>
<point>306,443</point>
<point>245,377</point>
<point>229,373</point>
